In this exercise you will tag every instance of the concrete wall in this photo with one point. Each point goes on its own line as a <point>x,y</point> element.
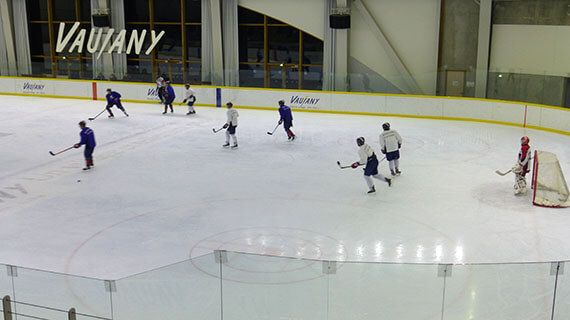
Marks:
<point>458,42</point>
<point>538,12</point>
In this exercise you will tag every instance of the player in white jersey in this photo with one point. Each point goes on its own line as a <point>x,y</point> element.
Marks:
<point>231,125</point>
<point>390,143</point>
<point>368,157</point>
<point>160,84</point>
<point>189,96</point>
<point>521,168</point>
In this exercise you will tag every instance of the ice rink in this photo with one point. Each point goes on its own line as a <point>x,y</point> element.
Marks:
<point>163,190</point>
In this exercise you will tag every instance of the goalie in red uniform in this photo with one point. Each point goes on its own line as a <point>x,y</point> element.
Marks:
<point>522,167</point>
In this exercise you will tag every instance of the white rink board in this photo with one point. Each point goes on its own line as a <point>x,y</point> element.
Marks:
<point>556,119</point>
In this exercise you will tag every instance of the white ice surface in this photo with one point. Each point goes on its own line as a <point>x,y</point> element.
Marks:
<point>163,190</point>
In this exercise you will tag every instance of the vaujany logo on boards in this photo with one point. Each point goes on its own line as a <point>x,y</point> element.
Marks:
<point>32,87</point>
<point>304,102</point>
<point>94,43</point>
<point>152,94</point>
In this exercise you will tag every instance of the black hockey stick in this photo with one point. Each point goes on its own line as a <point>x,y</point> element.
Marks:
<point>218,130</point>
<point>62,151</point>
<point>95,117</point>
<point>270,133</point>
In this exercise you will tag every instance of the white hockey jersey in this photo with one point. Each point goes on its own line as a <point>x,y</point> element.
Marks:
<point>160,82</point>
<point>189,95</point>
<point>232,117</point>
<point>390,140</point>
<point>365,151</point>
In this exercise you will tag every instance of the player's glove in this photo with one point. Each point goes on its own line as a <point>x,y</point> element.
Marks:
<point>225,125</point>
<point>384,151</point>
<point>517,169</point>
<point>355,165</point>
<point>399,145</point>
<point>77,145</point>
<point>291,123</point>
<point>280,122</point>
<point>184,101</point>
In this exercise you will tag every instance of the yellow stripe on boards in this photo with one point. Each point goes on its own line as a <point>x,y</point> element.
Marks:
<point>340,112</point>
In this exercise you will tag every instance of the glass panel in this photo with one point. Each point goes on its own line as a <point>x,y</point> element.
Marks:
<point>41,66</point>
<point>186,290</point>
<point>285,78</point>
<point>193,73</point>
<point>385,291</point>
<point>263,287</point>
<point>86,69</point>
<point>312,50</point>
<point>140,71</point>
<point>172,72</point>
<point>510,291</point>
<point>64,10</point>
<point>45,289</point>
<point>5,284</point>
<point>139,28</point>
<point>312,78</point>
<point>39,39</point>
<point>249,16</point>
<point>136,11</point>
<point>193,42</point>
<point>167,11</point>
<point>85,7</point>
<point>283,44</point>
<point>37,10</point>
<point>562,308</point>
<point>193,11</point>
<point>170,46</point>
<point>250,44</point>
<point>251,75</point>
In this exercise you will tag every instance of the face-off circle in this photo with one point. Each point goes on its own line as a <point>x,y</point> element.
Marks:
<point>267,255</point>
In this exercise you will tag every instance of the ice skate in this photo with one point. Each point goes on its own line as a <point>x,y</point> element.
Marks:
<point>226,145</point>
<point>398,172</point>
<point>388,181</point>
<point>235,146</point>
<point>372,190</point>
<point>393,172</point>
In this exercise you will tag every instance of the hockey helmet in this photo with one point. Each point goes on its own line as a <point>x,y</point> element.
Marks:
<point>82,123</point>
<point>187,85</point>
<point>525,140</point>
<point>360,141</point>
<point>386,126</point>
<point>281,102</point>
<point>229,104</point>
<point>109,90</point>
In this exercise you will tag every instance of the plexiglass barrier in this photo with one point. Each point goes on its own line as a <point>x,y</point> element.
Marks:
<point>239,286</point>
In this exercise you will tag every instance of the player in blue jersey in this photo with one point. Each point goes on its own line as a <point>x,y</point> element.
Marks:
<point>168,97</point>
<point>87,139</point>
<point>114,99</point>
<point>286,119</point>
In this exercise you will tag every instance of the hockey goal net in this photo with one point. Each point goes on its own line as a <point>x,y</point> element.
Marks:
<point>550,188</point>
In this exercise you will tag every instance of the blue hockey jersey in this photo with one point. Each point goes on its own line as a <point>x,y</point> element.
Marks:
<point>285,113</point>
<point>112,96</point>
<point>87,137</point>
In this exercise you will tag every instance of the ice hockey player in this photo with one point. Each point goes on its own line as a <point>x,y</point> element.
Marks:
<point>191,98</point>
<point>168,97</point>
<point>391,142</point>
<point>368,157</point>
<point>286,119</point>
<point>114,98</point>
<point>521,168</point>
<point>160,87</point>
<point>230,126</point>
<point>87,139</point>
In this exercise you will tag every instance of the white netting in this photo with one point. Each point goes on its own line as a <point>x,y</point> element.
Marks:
<point>550,188</point>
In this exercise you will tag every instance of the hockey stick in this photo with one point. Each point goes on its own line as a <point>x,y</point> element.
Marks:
<point>216,131</point>
<point>346,167</point>
<point>503,173</point>
<point>270,133</point>
<point>62,151</point>
<point>95,117</point>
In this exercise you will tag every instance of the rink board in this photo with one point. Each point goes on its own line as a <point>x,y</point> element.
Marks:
<point>548,118</point>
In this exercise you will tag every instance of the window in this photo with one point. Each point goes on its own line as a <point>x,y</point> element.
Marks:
<point>137,11</point>
<point>273,54</point>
